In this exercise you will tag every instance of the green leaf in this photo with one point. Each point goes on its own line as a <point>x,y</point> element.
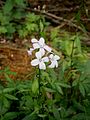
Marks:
<point>20,3</point>
<point>35,86</point>
<point>59,89</point>
<point>64,85</point>
<point>8,6</point>
<point>49,89</point>
<point>54,33</point>
<point>80,116</point>
<point>6,90</point>
<point>31,27</point>
<point>7,77</point>
<point>4,105</point>
<point>75,82</point>
<point>10,115</point>
<point>31,116</point>
<point>10,28</point>
<point>42,115</point>
<point>3,29</point>
<point>78,44</point>
<point>66,64</point>
<point>41,26</point>
<point>68,47</point>
<point>56,113</point>
<point>11,97</point>
<point>78,105</point>
<point>81,88</point>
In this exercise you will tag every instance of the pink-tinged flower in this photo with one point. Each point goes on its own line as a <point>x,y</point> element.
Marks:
<point>40,61</point>
<point>54,61</point>
<point>41,45</point>
<point>30,51</point>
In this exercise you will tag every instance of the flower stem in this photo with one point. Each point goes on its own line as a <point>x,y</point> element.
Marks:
<point>39,79</point>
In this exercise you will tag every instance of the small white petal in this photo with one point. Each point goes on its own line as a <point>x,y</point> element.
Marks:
<point>51,56</point>
<point>36,45</point>
<point>38,55</point>
<point>30,51</point>
<point>34,40</point>
<point>42,51</point>
<point>56,57</point>
<point>46,47</point>
<point>35,62</point>
<point>45,59</point>
<point>42,65</point>
<point>56,64</point>
<point>52,65</point>
<point>42,41</point>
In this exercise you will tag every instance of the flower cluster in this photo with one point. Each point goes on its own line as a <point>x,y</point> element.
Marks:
<point>40,55</point>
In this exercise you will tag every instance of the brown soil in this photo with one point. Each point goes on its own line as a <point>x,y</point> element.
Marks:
<point>16,59</point>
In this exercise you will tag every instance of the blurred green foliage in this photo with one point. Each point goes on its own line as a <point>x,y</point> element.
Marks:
<point>15,20</point>
<point>64,92</point>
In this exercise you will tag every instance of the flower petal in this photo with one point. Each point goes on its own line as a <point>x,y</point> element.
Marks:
<point>42,51</point>
<point>35,62</point>
<point>56,64</point>
<point>56,57</point>
<point>38,55</point>
<point>45,59</point>
<point>42,65</point>
<point>52,65</point>
<point>51,56</point>
<point>30,51</point>
<point>42,41</point>
<point>36,45</point>
<point>34,40</point>
<point>46,47</point>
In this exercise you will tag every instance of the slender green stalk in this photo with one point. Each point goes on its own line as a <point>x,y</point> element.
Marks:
<point>39,80</point>
<point>71,67</point>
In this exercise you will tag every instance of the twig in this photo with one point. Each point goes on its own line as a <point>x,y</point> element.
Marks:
<point>63,9</point>
<point>58,20</point>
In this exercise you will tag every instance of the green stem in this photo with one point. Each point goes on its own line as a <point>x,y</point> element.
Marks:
<point>39,80</point>
<point>71,67</point>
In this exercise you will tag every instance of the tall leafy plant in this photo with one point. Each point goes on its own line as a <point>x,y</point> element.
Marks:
<point>11,14</point>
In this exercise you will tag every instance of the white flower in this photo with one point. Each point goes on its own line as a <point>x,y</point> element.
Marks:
<point>40,61</point>
<point>41,45</point>
<point>53,60</point>
<point>30,51</point>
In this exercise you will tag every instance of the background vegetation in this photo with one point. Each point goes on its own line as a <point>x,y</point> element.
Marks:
<point>64,91</point>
